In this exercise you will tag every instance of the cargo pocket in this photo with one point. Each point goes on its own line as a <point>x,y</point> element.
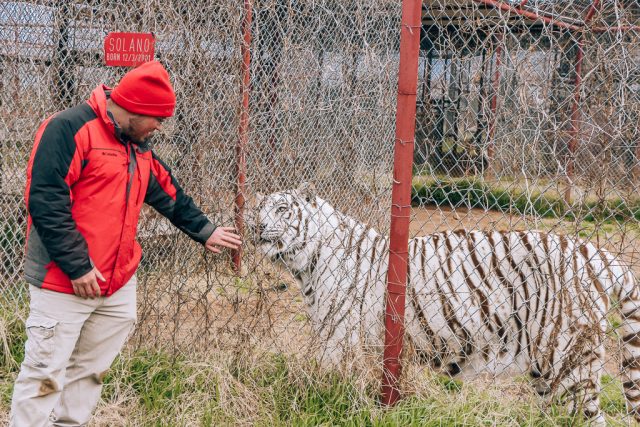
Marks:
<point>40,340</point>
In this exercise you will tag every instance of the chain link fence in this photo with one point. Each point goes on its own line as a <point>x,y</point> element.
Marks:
<point>527,119</point>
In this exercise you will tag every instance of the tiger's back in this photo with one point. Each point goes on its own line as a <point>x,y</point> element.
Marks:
<point>506,300</point>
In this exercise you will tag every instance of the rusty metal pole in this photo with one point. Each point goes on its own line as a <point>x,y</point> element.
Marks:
<point>551,21</point>
<point>575,108</point>
<point>527,14</point>
<point>401,199</point>
<point>241,161</point>
<point>575,116</point>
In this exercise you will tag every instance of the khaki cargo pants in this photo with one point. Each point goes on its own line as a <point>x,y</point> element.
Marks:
<point>71,343</point>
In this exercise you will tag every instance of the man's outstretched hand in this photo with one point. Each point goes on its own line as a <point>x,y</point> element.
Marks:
<point>223,236</point>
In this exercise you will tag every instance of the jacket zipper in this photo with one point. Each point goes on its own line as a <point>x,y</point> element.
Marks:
<point>131,164</point>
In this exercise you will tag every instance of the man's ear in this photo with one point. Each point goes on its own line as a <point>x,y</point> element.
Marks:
<point>308,191</point>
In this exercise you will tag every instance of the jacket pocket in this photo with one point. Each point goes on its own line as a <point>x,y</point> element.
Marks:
<point>39,347</point>
<point>106,163</point>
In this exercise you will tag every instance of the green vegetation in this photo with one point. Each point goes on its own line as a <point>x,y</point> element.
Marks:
<point>12,337</point>
<point>612,397</point>
<point>153,388</point>
<point>511,198</point>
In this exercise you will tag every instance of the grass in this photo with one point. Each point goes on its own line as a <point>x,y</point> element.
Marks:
<point>240,286</point>
<point>154,388</point>
<point>226,387</point>
<point>281,392</point>
<point>611,398</point>
<point>12,337</point>
<point>597,232</point>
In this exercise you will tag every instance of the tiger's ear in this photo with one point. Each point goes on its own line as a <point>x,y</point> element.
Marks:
<point>308,191</point>
<point>259,197</point>
<point>252,201</point>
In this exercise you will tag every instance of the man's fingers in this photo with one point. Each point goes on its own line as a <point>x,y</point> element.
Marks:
<point>79,291</point>
<point>224,236</point>
<point>96,289</point>
<point>231,237</point>
<point>232,241</point>
<point>213,249</point>
<point>93,287</point>
<point>87,289</point>
<point>87,286</point>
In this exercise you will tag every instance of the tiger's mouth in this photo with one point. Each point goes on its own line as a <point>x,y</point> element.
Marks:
<point>269,237</point>
<point>262,235</point>
<point>276,246</point>
<point>272,246</point>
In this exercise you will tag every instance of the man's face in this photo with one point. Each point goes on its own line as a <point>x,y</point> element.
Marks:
<point>140,128</point>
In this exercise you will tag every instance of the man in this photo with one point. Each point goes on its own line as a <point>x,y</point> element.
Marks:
<point>89,173</point>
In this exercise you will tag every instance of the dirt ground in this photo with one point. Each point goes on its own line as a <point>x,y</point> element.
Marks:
<point>430,219</point>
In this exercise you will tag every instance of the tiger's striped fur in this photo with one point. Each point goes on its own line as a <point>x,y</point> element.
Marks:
<point>496,302</point>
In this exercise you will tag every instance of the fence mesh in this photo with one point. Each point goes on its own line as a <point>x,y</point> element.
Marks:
<point>527,119</point>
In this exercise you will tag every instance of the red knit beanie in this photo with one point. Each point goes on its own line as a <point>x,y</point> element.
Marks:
<point>146,90</point>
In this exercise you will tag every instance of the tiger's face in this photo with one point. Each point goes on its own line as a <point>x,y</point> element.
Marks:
<point>284,224</point>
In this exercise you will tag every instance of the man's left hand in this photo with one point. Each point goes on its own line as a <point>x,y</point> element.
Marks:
<point>223,236</point>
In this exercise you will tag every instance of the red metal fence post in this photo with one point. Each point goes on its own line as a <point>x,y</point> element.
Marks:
<point>575,115</point>
<point>241,161</point>
<point>575,108</point>
<point>401,198</point>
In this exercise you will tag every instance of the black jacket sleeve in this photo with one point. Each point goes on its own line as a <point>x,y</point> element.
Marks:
<point>49,199</point>
<point>166,196</point>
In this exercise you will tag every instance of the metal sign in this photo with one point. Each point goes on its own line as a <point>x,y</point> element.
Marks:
<point>128,49</point>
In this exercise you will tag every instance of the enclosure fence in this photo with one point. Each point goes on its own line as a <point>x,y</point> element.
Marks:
<point>526,119</point>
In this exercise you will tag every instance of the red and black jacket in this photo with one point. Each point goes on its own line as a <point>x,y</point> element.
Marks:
<point>85,189</point>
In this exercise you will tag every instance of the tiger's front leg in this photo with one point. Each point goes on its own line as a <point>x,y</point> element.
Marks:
<point>338,340</point>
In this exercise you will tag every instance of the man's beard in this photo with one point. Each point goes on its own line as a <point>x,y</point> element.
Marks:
<point>126,136</point>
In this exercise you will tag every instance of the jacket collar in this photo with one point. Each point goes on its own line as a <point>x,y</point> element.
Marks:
<point>98,101</point>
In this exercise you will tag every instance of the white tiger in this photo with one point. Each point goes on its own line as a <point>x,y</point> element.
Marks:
<point>476,301</point>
